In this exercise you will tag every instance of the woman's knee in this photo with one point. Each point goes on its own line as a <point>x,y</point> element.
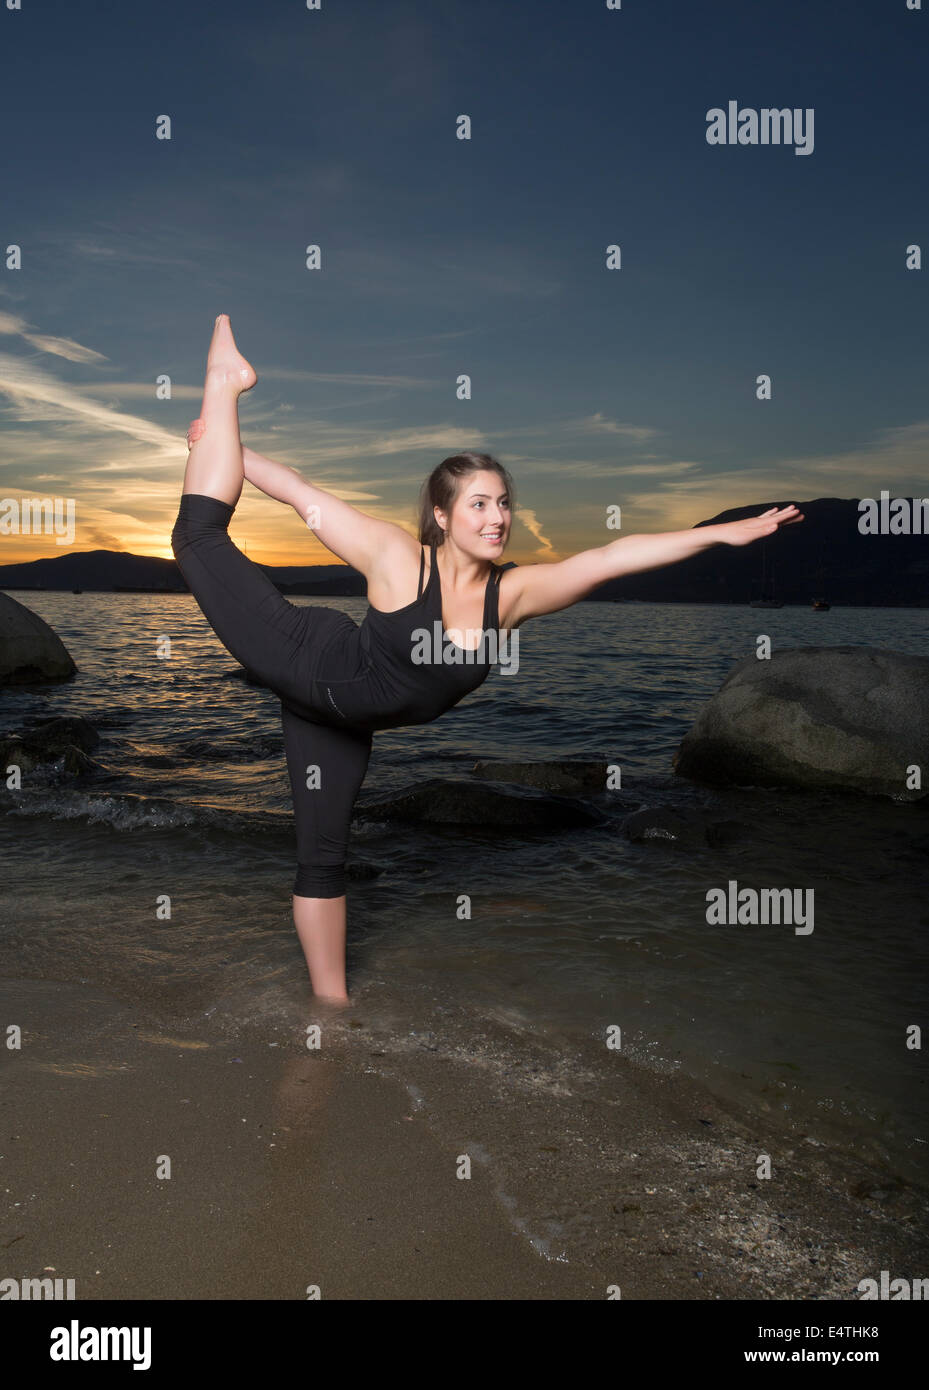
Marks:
<point>320,881</point>
<point>199,517</point>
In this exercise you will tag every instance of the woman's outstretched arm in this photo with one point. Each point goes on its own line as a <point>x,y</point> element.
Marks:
<point>279,481</point>
<point>548,588</point>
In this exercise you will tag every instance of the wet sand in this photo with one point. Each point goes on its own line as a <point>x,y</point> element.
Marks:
<point>338,1169</point>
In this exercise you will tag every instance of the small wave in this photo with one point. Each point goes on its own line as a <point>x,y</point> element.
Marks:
<point>130,811</point>
<point>233,750</point>
<point>203,750</point>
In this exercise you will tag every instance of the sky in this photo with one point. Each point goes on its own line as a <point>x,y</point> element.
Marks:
<point>337,127</point>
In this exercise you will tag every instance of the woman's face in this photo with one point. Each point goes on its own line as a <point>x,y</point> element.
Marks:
<point>480,519</point>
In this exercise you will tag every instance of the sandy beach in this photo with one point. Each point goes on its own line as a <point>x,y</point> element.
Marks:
<point>292,1169</point>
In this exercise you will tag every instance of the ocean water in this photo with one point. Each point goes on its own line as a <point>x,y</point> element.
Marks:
<point>570,933</point>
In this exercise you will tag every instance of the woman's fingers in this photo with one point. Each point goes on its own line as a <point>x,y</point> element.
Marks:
<point>782,515</point>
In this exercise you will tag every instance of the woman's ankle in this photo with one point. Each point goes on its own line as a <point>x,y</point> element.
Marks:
<point>221,379</point>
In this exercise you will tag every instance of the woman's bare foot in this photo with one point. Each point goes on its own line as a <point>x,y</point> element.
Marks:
<point>332,1001</point>
<point>225,365</point>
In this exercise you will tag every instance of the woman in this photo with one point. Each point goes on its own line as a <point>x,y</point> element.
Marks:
<point>338,682</point>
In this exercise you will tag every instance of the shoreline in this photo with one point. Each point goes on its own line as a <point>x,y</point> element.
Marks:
<point>338,1168</point>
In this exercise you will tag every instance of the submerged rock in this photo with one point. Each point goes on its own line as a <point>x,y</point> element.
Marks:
<point>53,736</point>
<point>568,776</point>
<point>76,763</point>
<point>15,753</point>
<point>661,823</point>
<point>846,717</point>
<point>451,802</point>
<point>690,829</point>
<point>360,871</point>
<point>30,651</point>
<point>68,737</point>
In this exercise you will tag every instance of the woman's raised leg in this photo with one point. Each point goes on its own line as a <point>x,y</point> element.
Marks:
<point>214,465</point>
<point>260,627</point>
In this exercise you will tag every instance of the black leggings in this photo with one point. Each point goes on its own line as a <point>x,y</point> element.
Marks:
<point>279,644</point>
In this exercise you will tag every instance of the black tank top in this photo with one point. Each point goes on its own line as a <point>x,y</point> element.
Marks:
<point>410,671</point>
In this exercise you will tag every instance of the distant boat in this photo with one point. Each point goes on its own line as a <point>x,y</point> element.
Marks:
<point>767,599</point>
<point>820,605</point>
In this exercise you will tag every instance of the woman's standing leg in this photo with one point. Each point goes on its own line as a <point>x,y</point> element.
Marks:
<point>326,767</point>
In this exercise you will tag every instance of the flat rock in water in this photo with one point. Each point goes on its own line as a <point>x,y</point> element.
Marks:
<point>853,718</point>
<point>66,737</point>
<point>53,736</point>
<point>30,651</point>
<point>442,801</point>
<point>570,776</point>
<point>359,871</point>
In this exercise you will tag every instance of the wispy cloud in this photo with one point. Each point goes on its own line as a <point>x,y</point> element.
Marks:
<point>346,378</point>
<point>98,538</point>
<point>534,526</point>
<point>602,424</point>
<point>37,396</point>
<point>138,390</point>
<point>570,468</point>
<point>118,252</point>
<point>894,458</point>
<point>12,325</point>
<point>400,271</point>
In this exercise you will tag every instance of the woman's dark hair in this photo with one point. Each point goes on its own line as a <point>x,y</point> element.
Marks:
<point>441,488</point>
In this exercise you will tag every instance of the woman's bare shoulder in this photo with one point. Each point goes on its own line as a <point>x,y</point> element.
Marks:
<point>393,570</point>
<point>509,591</point>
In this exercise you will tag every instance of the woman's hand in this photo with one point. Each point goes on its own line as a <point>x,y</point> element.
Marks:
<point>197,428</point>
<point>753,528</point>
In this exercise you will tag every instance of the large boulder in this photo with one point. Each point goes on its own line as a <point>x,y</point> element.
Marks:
<point>30,651</point>
<point>845,717</point>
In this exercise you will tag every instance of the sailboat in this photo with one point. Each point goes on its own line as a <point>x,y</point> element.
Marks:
<point>767,600</point>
